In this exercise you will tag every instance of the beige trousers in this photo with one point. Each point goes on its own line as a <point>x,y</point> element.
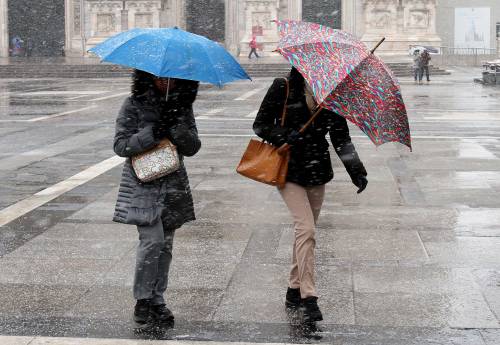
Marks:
<point>304,204</point>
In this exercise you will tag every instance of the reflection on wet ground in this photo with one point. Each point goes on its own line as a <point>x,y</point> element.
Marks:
<point>412,260</point>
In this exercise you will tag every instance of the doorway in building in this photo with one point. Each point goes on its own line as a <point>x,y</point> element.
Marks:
<point>207,18</point>
<point>324,12</point>
<point>36,28</point>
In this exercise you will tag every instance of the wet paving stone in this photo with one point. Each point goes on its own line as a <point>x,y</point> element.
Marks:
<point>413,260</point>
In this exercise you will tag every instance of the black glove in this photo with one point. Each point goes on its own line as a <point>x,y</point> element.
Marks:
<point>294,137</point>
<point>159,132</point>
<point>278,136</point>
<point>361,182</point>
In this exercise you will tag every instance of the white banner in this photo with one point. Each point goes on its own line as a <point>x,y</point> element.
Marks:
<point>472,27</point>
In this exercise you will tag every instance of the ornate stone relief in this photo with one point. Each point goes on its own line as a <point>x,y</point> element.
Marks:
<point>420,15</point>
<point>380,15</point>
<point>262,19</point>
<point>143,14</point>
<point>108,17</point>
<point>402,22</point>
<point>104,17</point>
<point>260,13</point>
<point>104,6</point>
<point>418,19</point>
<point>106,23</point>
<point>144,6</point>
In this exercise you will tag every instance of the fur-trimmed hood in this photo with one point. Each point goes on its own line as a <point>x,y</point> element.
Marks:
<point>184,93</point>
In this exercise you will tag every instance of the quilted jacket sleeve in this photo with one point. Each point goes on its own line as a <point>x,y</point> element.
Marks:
<point>129,141</point>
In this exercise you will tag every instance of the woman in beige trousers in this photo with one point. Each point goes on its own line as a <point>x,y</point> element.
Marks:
<point>310,169</point>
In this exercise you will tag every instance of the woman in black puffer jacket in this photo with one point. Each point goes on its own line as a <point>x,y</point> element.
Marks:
<point>310,168</point>
<point>158,108</point>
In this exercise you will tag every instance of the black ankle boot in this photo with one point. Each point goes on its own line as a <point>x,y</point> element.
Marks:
<point>310,309</point>
<point>292,298</point>
<point>161,313</point>
<point>142,311</point>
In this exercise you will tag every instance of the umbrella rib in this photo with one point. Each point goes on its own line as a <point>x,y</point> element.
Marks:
<point>215,69</point>
<point>122,44</point>
<point>165,51</point>
<point>319,42</point>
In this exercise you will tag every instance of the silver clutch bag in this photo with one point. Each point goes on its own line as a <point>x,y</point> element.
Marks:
<point>157,162</point>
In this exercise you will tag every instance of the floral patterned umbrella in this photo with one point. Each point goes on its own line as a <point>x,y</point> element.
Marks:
<point>347,78</point>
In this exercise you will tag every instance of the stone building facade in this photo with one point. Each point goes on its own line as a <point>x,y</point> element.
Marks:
<point>77,25</point>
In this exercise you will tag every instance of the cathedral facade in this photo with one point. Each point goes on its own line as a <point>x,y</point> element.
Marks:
<point>71,27</point>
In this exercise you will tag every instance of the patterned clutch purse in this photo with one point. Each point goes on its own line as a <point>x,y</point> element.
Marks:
<point>157,162</point>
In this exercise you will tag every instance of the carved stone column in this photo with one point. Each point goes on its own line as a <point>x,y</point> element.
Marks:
<point>74,45</point>
<point>76,28</point>
<point>4,29</point>
<point>349,16</point>
<point>295,9</point>
<point>232,33</point>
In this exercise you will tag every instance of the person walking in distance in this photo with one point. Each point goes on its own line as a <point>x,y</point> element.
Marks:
<point>417,64</point>
<point>425,58</point>
<point>253,47</point>
<point>158,108</point>
<point>309,170</point>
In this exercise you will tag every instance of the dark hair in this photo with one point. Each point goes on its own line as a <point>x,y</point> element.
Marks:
<point>296,82</point>
<point>185,91</point>
<point>142,82</point>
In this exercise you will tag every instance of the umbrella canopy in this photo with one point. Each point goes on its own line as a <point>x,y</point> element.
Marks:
<point>172,52</point>
<point>347,78</point>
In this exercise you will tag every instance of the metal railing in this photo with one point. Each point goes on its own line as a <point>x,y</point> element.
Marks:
<point>452,56</point>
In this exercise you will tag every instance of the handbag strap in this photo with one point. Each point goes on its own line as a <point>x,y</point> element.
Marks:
<point>283,114</point>
<point>285,147</point>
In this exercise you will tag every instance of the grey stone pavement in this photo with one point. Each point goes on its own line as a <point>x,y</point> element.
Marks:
<point>415,259</point>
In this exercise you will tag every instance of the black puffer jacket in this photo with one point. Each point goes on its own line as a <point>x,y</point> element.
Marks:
<point>144,119</point>
<point>310,163</point>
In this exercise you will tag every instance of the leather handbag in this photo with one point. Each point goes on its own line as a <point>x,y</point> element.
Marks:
<point>160,161</point>
<point>268,164</point>
<point>262,162</point>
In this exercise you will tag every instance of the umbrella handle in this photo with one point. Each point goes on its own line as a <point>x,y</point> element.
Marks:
<point>378,44</point>
<point>285,147</point>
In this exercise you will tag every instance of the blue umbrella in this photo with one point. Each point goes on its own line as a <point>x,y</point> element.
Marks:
<point>172,52</point>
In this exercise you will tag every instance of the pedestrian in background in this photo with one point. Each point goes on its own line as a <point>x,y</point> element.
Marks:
<point>309,170</point>
<point>417,66</point>
<point>17,46</point>
<point>425,58</point>
<point>253,47</point>
<point>158,108</point>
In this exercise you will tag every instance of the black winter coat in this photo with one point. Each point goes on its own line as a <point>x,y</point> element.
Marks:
<point>167,199</point>
<point>310,163</point>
